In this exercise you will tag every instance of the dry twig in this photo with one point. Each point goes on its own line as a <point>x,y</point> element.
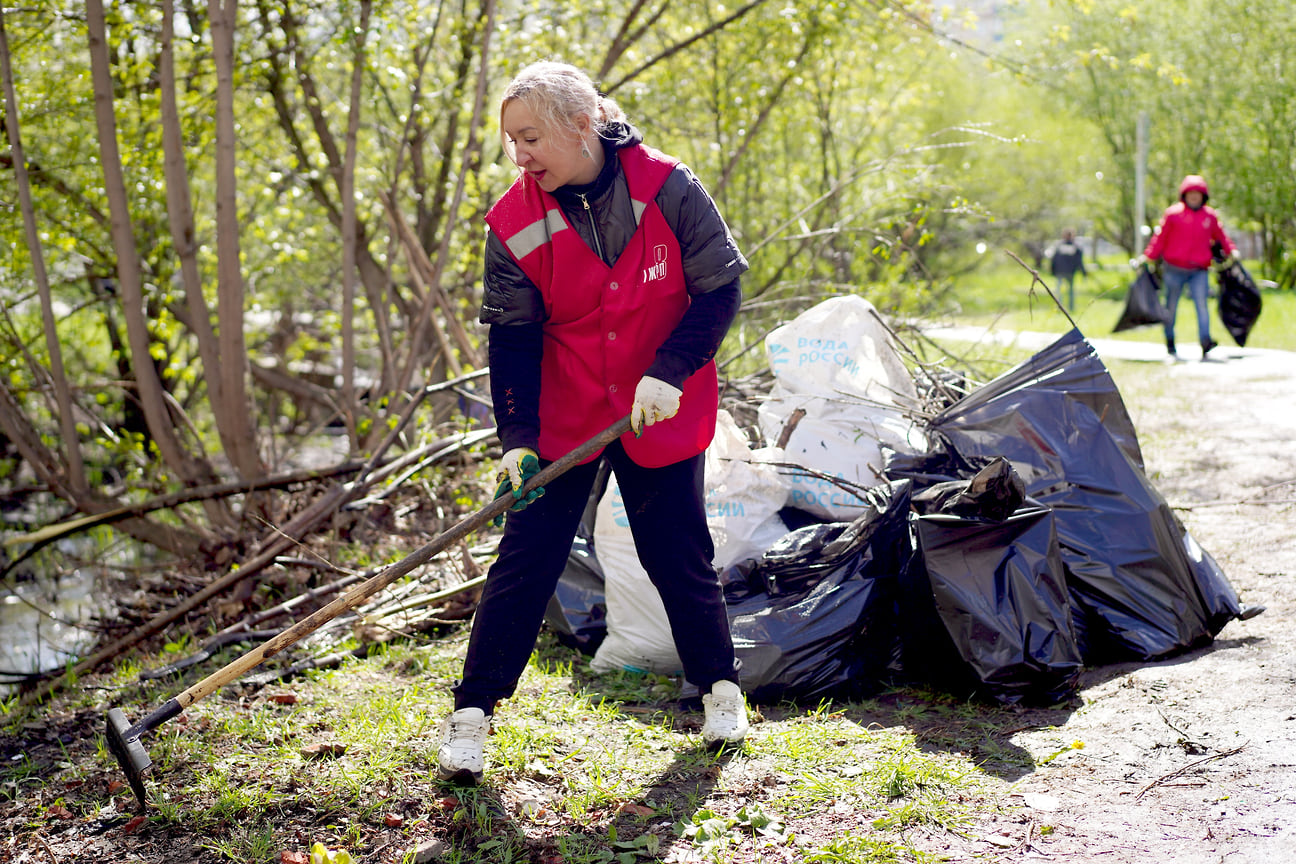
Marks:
<point>1179,771</point>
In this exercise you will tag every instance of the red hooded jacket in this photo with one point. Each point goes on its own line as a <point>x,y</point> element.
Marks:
<point>1185,235</point>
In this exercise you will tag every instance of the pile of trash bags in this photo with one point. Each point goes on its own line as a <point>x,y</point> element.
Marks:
<point>885,531</point>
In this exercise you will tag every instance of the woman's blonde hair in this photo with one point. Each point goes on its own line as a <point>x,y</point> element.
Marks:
<point>558,93</point>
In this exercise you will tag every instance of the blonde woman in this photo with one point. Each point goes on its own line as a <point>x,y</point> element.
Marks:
<point>610,282</point>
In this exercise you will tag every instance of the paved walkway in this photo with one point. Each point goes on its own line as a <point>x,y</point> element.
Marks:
<point>1226,360</point>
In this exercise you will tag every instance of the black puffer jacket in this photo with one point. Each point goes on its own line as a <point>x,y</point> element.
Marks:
<point>513,307</point>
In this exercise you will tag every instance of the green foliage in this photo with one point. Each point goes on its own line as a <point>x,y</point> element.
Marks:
<point>851,147</point>
<point>1215,81</point>
<point>863,849</point>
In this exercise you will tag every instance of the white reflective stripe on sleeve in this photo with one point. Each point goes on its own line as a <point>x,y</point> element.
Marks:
<point>535,235</point>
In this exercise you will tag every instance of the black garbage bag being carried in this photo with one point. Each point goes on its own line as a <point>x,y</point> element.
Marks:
<point>1142,305</point>
<point>1239,301</point>
<point>1140,587</point>
<point>814,617</point>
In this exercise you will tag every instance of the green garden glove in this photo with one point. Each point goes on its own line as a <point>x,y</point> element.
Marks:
<point>517,467</point>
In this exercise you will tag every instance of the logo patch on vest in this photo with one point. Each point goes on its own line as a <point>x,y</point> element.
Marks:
<point>657,270</point>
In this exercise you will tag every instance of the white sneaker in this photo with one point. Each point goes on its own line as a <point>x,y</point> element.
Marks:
<point>463,734</point>
<point>726,715</point>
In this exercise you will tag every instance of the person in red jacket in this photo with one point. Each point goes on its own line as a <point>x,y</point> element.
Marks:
<point>1184,243</point>
<point>610,282</point>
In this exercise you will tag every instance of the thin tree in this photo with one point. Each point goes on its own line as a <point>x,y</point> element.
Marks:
<point>152,397</point>
<point>180,217</point>
<point>471,155</point>
<point>230,422</point>
<point>348,226</point>
<point>62,392</point>
<point>233,371</point>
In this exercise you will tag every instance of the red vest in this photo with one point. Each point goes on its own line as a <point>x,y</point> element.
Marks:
<point>604,323</point>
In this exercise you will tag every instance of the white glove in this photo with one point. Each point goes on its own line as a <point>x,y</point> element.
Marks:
<point>654,400</point>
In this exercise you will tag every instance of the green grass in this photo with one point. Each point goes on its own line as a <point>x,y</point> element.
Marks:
<point>999,294</point>
<point>605,769</point>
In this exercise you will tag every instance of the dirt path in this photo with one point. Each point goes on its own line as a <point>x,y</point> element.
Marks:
<point>1193,759</point>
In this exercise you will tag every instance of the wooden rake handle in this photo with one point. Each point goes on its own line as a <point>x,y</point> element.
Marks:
<point>390,574</point>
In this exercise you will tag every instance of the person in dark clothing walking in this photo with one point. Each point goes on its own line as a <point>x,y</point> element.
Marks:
<point>610,282</point>
<point>1066,263</point>
<point>1184,243</point>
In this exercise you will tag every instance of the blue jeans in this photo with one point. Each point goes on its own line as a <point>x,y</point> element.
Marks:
<point>1066,290</point>
<point>1198,281</point>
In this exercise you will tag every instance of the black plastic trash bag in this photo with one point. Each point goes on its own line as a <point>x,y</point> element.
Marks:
<point>986,611</point>
<point>577,610</point>
<point>1069,366</point>
<point>995,493</point>
<point>1142,305</point>
<point>1239,301</point>
<point>814,616</point>
<point>1137,590</point>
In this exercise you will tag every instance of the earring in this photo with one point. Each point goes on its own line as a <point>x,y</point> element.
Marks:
<point>585,150</point>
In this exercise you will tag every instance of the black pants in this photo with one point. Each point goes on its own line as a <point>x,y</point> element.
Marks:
<point>665,507</point>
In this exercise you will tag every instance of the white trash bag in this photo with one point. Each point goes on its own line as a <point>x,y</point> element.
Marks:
<point>837,363</point>
<point>743,496</point>
<point>638,634</point>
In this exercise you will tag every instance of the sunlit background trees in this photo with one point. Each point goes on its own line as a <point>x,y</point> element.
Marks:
<point>287,235</point>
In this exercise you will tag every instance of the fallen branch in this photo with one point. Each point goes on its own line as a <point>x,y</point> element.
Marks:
<point>280,541</point>
<point>205,652</point>
<point>375,617</point>
<point>293,602</point>
<point>328,661</point>
<point>1189,766</point>
<point>50,533</point>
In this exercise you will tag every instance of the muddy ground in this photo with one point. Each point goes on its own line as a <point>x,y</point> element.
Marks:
<point>1191,760</point>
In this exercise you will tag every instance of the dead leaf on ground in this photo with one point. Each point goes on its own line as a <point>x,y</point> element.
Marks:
<point>323,750</point>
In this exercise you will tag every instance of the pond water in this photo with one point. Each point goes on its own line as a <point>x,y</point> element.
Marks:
<point>44,619</point>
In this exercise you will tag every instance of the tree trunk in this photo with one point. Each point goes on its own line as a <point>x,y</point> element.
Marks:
<point>348,228</point>
<point>233,362</point>
<point>151,396</point>
<point>180,213</point>
<point>62,393</point>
